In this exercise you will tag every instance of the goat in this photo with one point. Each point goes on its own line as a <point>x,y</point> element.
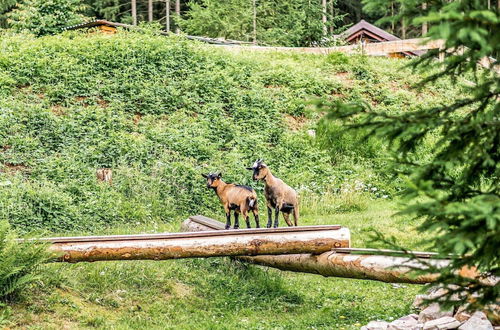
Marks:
<point>278,195</point>
<point>233,197</point>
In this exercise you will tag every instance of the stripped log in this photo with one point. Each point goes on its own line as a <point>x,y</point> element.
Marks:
<point>342,263</point>
<point>308,239</point>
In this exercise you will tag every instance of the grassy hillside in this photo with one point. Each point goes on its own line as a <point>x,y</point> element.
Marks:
<point>159,112</point>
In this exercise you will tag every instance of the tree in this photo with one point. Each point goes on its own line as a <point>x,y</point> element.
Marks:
<point>455,189</point>
<point>42,17</point>
<point>290,23</point>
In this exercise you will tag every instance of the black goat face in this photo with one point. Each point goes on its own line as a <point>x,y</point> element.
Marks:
<point>259,170</point>
<point>213,179</point>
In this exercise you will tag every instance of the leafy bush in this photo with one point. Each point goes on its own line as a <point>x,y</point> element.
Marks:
<point>42,17</point>
<point>19,263</point>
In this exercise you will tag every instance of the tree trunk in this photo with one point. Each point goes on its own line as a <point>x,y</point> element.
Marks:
<point>177,15</point>
<point>311,239</point>
<point>424,25</point>
<point>341,263</point>
<point>254,22</point>
<point>134,12</point>
<point>150,10</point>
<point>323,17</point>
<point>167,15</point>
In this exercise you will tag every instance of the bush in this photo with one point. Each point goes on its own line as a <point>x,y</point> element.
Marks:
<point>19,263</point>
<point>42,17</point>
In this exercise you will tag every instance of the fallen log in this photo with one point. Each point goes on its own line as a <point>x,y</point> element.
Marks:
<point>341,263</point>
<point>308,239</point>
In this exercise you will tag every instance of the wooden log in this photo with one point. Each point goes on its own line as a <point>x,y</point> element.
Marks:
<point>343,262</point>
<point>104,175</point>
<point>308,239</point>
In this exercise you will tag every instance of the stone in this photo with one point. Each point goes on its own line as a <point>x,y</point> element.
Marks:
<point>432,312</point>
<point>415,316</point>
<point>442,323</point>
<point>377,325</point>
<point>477,321</point>
<point>404,323</point>
<point>462,314</point>
<point>419,301</point>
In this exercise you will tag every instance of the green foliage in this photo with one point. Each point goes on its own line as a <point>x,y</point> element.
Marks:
<point>454,185</point>
<point>42,17</point>
<point>288,23</point>
<point>159,112</point>
<point>19,263</point>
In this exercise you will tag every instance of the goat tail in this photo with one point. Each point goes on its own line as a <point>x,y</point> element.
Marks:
<point>251,201</point>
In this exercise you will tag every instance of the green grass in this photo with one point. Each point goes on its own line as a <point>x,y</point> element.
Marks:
<point>220,293</point>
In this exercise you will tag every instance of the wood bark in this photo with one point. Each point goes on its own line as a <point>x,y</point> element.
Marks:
<point>177,15</point>
<point>105,175</point>
<point>312,239</point>
<point>134,12</point>
<point>323,17</point>
<point>254,22</point>
<point>150,10</point>
<point>340,263</point>
<point>424,25</point>
<point>167,15</point>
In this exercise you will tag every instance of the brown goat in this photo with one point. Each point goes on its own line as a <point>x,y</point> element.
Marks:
<point>233,197</point>
<point>278,195</point>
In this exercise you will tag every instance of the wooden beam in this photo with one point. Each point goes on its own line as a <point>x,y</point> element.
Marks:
<point>367,264</point>
<point>309,239</point>
<point>378,48</point>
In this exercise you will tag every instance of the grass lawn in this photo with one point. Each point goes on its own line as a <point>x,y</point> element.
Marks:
<point>220,293</point>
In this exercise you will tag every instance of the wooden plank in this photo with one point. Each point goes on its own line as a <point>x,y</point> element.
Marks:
<point>377,48</point>
<point>199,244</point>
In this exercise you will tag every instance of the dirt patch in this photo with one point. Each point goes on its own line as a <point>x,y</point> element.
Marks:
<point>102,103</point>
<point>346,78</point>
<point>181,290</point>
<point>295,123</point>
<point>137,118</point>
<point>58,110</point>
<point>14,168</point>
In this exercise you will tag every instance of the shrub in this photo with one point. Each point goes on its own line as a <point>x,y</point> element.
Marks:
<point>19,263</point>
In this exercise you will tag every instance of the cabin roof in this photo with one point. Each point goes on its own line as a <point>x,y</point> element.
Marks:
<point>363,27</point>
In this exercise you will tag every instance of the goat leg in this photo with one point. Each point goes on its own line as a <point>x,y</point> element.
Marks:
<point>236,220</point>
<point>276,216</point>
<point>269,217</point>
<point>256,217</point>
<point>228,220</point>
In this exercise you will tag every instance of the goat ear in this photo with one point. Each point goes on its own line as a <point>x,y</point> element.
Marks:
<point>249,168</point>
<point>204,175</point>
<point>219,175</point>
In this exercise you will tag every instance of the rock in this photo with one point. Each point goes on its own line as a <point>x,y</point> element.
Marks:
<point>477,321</point>
<point>415,316</point>
<point>442,323</point>
<point>311,133</point>
<point>376,325</point>
<point>419,301</point>
<point>432,312</point>
<point>404,323</point>
<point>462,315</point>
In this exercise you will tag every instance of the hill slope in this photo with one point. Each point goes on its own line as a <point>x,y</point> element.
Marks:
<point>160,111</point>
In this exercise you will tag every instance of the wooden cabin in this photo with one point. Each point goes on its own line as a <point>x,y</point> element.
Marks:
<point>364,32</point>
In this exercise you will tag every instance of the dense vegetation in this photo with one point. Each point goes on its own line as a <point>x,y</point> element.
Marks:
<point>288,23</point>
<point>159,111</point>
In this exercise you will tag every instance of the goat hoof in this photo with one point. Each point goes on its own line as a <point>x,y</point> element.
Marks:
<point>228,227</point>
